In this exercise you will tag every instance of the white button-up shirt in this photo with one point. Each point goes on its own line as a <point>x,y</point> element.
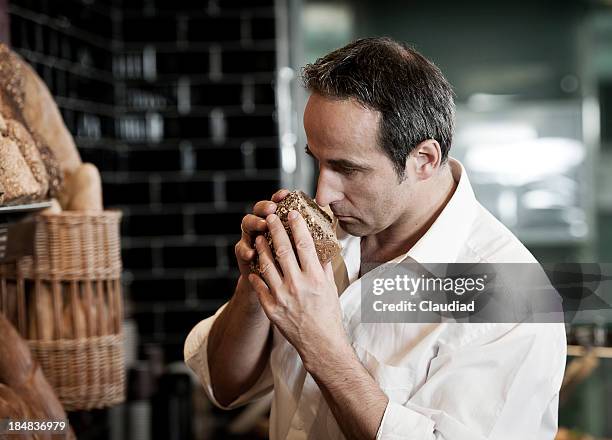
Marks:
<point>449,381</point>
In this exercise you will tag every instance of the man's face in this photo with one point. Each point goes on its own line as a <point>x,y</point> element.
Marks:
<point>356,179</point>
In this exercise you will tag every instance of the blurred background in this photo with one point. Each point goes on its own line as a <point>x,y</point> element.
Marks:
<point>192,111</point>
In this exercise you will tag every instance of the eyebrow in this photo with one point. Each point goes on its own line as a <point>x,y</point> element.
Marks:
<point>342,163</point>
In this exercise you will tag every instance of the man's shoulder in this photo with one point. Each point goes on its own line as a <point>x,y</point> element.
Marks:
<point>490,241</point>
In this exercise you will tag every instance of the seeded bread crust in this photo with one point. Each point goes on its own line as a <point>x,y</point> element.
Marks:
<point>320,226</point>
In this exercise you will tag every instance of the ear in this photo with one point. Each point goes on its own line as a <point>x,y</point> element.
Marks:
<point>427,157</point>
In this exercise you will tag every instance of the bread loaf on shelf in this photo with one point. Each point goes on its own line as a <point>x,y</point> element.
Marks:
<point>9,302</point>
<point>26,98</point>
<point>74,316</point>
<point>40,313</point>
<point>83,190</point>
<point>32,120</point>
<point>320,225</point>
<point>17,183</point>
<point>29,150</point>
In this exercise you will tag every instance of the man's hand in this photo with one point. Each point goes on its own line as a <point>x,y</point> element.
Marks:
<point>251,226</point>
<point>302,301</point>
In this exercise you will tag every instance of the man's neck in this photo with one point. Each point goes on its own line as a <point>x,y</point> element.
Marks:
<point>401,236</point>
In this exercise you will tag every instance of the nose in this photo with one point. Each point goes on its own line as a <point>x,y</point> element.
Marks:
<point>329,188</point>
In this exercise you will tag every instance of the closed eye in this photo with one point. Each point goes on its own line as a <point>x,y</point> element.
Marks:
<point>339,165</point>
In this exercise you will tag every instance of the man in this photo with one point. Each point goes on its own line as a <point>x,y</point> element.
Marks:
<point>379,122</point>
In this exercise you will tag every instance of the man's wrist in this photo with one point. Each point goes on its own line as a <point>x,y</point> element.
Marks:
<point>246,298</point>
<point>330,355</point>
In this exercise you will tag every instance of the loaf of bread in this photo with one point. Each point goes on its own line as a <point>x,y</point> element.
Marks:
<point>54,209</point>
<point>40,311</point>
<point>29,150</point>
<point>320,226</point>
<point>17,183</point>
<point>83,190</point>
<point>11,405</point>
<point>74,315</point>
<point>9,303</point>
<point>26,98</point>
<point>23,375</point>
<point>37,127</point>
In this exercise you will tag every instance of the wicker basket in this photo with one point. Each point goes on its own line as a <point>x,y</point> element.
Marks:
<point>66,301</point>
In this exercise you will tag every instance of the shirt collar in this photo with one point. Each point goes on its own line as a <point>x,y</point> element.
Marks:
<point>446,237</point>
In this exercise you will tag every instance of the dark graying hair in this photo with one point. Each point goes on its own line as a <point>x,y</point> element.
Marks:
<point>413,97</point>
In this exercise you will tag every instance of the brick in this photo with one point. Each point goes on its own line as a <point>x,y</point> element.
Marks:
<point>181,322</point>
<point>216,94</point>
<point>250,191</point>
<point>107,126</point>
<point>188,191</point>
<point>267,157</point>
<point>149,29</point>
<point>69,119</point>
<point>189,256</point>
<point>178,5</point>
<point>214,29</point>
<point>147,96</point>
<point>175,63</point>
<point>137,258</point>
<point>155,225</point>
<point>105,159</point>
<point>125,193</point>
<point>186,127</point>
<point>154,160</point>
<point>231,256</point>
<point>264,94</point>
<point>245,61</point>
<point>88,89</point>
<point>133,5</point>
<point>146,322</point>
<point>263,28</point>
<point>173,351</point>
<point>240,4</point>
<point>157,289</point>
<point>97,23</point>
<point>228,158</point>
<point>216,288</point>
<point>218,223</point>
<point>251,125</point>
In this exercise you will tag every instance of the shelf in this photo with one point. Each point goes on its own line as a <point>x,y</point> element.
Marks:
<point>62,26</point>
<point>198,46</point>
<point>16,237</point>
<point>22,209</point>
<point>579,350</point>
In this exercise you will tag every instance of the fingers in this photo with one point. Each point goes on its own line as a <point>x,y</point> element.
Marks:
<point>303,243</point>
<point>267,266</point>
<point>282,247</point>
<point>329,271</point>
<point>243,251</point>
<point>280,195</point>
<point>263,293</point>
<point>252,225</point>
<point>264,208</point>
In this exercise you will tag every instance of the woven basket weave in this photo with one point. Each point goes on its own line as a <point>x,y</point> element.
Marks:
<point>66,301</point>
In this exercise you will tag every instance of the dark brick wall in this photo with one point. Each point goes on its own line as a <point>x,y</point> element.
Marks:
<point>174,102</point>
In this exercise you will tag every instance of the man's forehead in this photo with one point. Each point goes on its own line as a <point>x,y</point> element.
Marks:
<point>338,122</point>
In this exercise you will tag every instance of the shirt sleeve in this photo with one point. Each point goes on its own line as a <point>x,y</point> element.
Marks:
<point>196,358</point>
<point>501,387</point>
